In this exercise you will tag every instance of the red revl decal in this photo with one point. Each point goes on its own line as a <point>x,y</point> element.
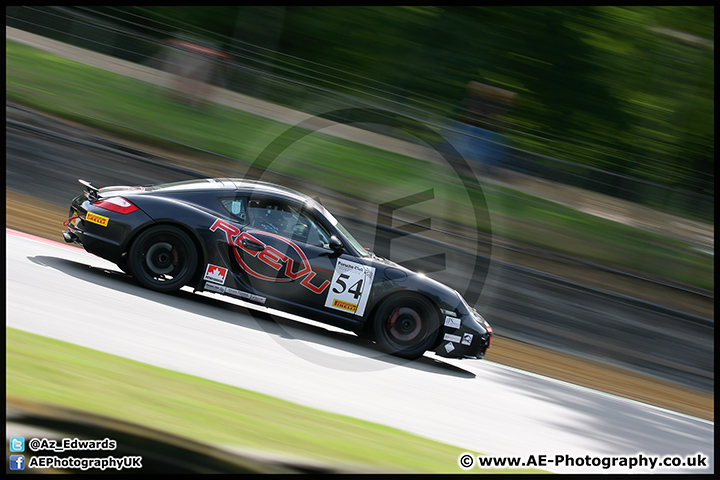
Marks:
<point>269,256</point>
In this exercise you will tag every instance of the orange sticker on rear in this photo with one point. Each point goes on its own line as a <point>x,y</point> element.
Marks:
<point>99,219</point>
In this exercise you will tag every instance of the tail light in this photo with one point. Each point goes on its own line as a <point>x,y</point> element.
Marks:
<point>116,204</point>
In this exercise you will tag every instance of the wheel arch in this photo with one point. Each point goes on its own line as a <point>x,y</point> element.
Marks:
<point>371,318</point>
<point>191,232</point>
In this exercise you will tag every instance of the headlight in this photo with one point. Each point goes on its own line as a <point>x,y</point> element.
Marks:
<point>481,320</point>
<point>475,314</point>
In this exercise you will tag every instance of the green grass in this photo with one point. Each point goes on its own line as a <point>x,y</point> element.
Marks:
<point>146,113</point>
<point>49,371</point>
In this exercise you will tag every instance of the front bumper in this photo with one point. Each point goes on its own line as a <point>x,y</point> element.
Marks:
<point>464,337</point>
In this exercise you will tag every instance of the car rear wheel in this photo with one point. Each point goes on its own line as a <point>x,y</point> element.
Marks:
<point>163,258</point>
<point>406,325</point>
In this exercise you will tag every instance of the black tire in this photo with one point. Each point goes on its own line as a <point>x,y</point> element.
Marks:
<point>406,325</point>
<point>163,258</point>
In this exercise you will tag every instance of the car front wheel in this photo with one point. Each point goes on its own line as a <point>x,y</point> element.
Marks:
<point>163,258</point>
<point>406,325</point>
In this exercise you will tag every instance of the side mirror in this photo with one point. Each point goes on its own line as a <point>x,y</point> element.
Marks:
<point>335,243</point>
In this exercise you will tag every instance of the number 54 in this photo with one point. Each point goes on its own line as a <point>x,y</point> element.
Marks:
<point>355,289</point>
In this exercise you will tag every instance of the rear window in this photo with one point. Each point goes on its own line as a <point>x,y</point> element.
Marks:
<point>235,206</point>
<point>183,185</point>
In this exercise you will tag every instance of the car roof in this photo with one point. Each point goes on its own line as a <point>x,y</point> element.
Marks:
<point>239,185</point>
<point>257,186</point>
<point>236,184</point>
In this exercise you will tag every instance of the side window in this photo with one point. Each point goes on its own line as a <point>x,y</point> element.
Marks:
<point>309,231</point>
<point>237,207</point>
<point>287,220</point>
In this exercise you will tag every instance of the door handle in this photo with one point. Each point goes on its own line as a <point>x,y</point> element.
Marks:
<point>252,245</point>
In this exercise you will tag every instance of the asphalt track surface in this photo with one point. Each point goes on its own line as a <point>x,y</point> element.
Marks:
<point>45,160</point>
<point>481,407</point>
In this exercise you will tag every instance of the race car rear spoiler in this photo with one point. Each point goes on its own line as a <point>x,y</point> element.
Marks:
<point>90,192</point>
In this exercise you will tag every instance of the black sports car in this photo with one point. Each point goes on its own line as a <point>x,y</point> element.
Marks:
<point>273,246</point>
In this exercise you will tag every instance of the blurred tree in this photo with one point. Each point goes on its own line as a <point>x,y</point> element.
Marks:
<point>626,89</point>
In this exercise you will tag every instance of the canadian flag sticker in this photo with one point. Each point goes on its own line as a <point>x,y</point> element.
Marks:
<point>215,274</point>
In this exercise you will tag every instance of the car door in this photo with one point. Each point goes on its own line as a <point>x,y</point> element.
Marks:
<point>286,252</point>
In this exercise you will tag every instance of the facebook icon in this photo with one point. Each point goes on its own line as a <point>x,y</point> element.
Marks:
<point>17,462</point>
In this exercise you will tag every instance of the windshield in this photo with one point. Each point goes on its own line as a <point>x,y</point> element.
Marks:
<point>359,249</point>
<point>355,244</point>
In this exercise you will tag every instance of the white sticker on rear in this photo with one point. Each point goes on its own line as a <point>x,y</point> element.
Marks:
<point>350,287</point>
<point>449,347</point>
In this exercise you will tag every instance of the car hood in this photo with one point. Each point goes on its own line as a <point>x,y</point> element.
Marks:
<point>395,271</point>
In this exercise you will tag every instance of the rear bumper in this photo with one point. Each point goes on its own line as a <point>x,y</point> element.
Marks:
<point>70,237</point>
<point>94,244</point>
<point>102,232</point>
